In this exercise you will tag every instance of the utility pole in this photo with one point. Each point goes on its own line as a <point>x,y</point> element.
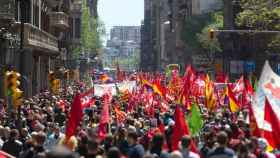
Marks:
<point>22,12</point>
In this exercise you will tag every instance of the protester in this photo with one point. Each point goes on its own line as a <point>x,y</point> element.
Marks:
<point>135,150</point>
<point>137,124</point>
<point>185,148</point>
<point>12,146</point>
<point>157,146</point>
<point>222,150</point>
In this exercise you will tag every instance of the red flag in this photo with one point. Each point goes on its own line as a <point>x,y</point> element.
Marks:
<point>240,86</point>
<point>105,117</point>
<point>5,155</point>
<point>120,75</point>
<point>221,77</point>
<point>255,131</point>
<point>187,88</point>
<point>271,126</point>
<point>75,117</point>
<point>247,94</point>
<point>120,115</point>
<point>233,103</point>
<point>249,87</point>
<point>180,129</point>
<point>158,88</point>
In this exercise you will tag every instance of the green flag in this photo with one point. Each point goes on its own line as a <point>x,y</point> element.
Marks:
<point>195,120</point>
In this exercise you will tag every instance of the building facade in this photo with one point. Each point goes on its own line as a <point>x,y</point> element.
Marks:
<point>244,53</point>
<point>123,45</point>
<point>202,6</point>
<point>44,39</point>
<point>126,33</point>
<point>161,31</point>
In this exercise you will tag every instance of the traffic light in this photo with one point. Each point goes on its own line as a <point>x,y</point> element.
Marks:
<point>12,84</point>
<point>54,82</point>
<point>211,34</point>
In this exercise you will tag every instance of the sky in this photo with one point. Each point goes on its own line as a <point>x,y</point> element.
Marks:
<point>121,12</point>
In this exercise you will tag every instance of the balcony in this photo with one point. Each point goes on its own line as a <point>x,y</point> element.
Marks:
<point>38,39</point>
<point>7,10</point>
<point>59,20</point>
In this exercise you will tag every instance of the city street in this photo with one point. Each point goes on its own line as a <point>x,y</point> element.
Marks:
<point>139,79</point>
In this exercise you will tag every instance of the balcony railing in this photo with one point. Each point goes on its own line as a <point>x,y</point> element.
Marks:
<point>7,9</point>
<point>59,20</point>
<point>38,39</point>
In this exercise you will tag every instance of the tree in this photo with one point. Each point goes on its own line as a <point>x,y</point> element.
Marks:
<point>211,45</point>
<point>261,15</point>
<point>132,61</point>
<point>92,30</point>
<point>196,29</point>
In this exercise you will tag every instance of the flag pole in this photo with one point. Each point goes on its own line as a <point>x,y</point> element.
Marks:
<point>110,114</point>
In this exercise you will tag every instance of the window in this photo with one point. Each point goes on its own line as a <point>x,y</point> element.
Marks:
<point>77,28</point>
<point>71,31</point>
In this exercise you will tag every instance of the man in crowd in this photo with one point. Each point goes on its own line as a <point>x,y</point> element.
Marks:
<point>13,146</point>
<point>222,150</point>
<point>138,135</point>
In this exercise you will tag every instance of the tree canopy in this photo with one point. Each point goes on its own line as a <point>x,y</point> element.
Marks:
<point>196,29</point>
<point>92,30</point>
<point>261,15</point>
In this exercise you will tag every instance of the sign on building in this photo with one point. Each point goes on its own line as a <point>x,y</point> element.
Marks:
<point>249,66</point>
<point>236,66</point>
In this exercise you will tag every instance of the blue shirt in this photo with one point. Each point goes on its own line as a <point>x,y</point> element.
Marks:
<point>136,151</point>
<point>221,152</point>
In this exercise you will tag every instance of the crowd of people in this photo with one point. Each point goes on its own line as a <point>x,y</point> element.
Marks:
<point>37,130</point>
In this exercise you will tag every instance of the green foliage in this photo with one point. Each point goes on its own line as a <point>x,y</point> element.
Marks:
<point>196,28</point>
<point>92,30</point>
<point>211,45</point>
<point>261,15</point>
<point>192,26</point>
<point>76,52</point>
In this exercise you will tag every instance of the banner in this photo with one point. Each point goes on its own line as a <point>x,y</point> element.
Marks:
<point>101,89</point>
<point>269,86</point>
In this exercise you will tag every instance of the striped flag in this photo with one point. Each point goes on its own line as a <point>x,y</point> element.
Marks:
<point>210,100</point>
<point>233,103</point>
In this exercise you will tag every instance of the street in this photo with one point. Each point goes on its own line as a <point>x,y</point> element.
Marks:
<point>139,79</point>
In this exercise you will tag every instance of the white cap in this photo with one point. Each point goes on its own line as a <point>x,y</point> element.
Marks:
<point>171,122</point>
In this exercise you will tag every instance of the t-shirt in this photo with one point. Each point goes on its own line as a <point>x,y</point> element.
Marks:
<point>221,152</point>
<point>136,151</point>
<point>189,154</point>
